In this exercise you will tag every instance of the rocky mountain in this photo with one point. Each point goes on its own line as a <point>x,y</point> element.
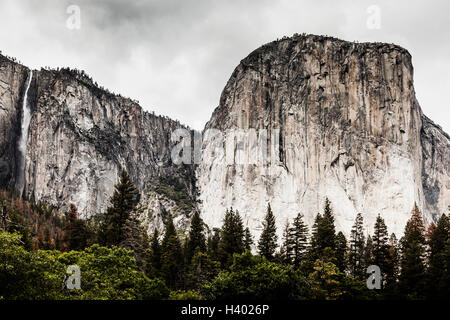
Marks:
<point>79,138</point>
<point>338,120</point>
<point>300,119</point>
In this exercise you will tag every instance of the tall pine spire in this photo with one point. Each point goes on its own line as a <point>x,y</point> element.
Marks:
<point>299,232</point>
<point>268,241</point>
<point>380,249</point>
<point>412,262</point>
<point>356,253</point>
<point>197,237</point>
<point>123,202</point>
<point>231,237</point>
<point>438,273</point>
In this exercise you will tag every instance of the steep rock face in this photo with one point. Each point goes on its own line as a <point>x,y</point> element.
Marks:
<point>337,119</point>
<point>342,122</point>
<point>12,85</point>
<point>436,167</point>
<point>80,137</point>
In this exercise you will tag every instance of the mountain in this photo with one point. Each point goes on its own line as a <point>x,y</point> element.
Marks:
<point>79,138</point>
<point>301,119</point>
<point>341,120</point>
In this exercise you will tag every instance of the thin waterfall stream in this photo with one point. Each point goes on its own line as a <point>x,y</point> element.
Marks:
<point>26,117</point>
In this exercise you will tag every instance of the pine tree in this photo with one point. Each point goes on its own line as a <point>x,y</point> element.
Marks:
<point>324,232</point>
<point>314,248</point>
<point>341,251</point>
<point>123,202</point>
<point>231,238</point>
<point>135,238</point>
<point>248,239</point>
<point>197,237</point>
<point>438,273</point>
<point>76,233</point>
<point>154,266</point>
<point>327,231</point>
<point>368,256</point>
<point>356,252</point>
<point>268,241</point>
<point>412,264</point>
<point>380,251</point>
<point>213,244</point>
<point>172,256</point>
<point>299,235</point>
<point>286,250</point>
<point>238,232</point>
<point>392,265</point>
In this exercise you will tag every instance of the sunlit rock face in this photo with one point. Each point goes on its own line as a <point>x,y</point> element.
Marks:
<point>345,124</point>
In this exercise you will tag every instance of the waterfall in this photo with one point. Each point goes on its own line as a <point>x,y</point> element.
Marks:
<point>26,117</point>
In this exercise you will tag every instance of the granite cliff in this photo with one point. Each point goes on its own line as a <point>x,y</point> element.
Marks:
<point>344,123</point>
<point>336,119</point>
<point>80,137</point>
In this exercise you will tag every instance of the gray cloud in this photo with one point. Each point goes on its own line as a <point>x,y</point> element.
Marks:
<point>175,57</point>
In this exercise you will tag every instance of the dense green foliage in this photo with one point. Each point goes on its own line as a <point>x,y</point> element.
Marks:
<point>107,273</point>
<point>118,260</point>
<point>254,277</point>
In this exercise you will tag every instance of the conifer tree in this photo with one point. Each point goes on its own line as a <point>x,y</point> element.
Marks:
<point>213,244</point>
<point>135,238</point>
<point>299,236</point>
<point>380,251</point>
<point>368,256</point>
<point>392,265</point>
<point>328,230</point>
<point>286,250</point>
<point>314,248</point>
<point>324,233</point>
<point>341,251</point>
<point>248,239</point>
<point>328,212</point>
<point>76,233</point>
<point>231,238</point>
<point>197,237</point>
<point>172,256</point>
<point>356,252</point>
<point>123,202</point>
<point>412,264</point>
<point>438,273</point>
<point>268,241</point>
<point>238,232</point>
<point>154,269</point>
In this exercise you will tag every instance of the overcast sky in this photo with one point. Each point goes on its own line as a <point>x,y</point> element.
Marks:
<point>175,57</point>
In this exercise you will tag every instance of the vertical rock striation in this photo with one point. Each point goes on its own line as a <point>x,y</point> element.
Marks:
<point>13,79</point>
<point>350,129</point>
<point>340,120</point>
<point>79,138</point>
